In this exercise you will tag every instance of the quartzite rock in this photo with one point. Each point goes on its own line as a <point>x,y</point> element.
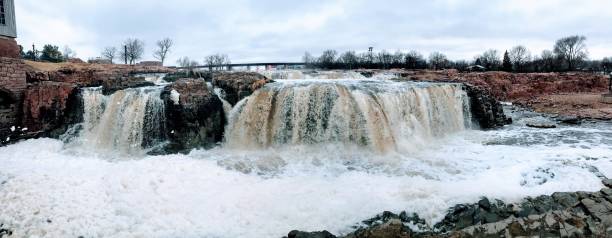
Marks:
<point>194,115</point>
<point>238,85</point>
<point>112,85</point>
<point>50,107</point>
<point>485,109</point>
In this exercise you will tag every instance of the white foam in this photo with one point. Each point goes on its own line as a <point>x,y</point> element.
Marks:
<point>207,193</point>
<point>175,96</point>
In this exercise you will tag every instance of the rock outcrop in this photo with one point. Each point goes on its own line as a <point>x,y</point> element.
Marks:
<point>42,99</point>
<point>238,85</point>
<point>50,107</point>
<point>194,115</point>
<point>112,85</point>
<point>486,110</point>
<point>86,75</point>
<point>579,214</point>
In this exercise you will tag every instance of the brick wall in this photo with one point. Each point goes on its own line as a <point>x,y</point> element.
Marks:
<point>9,48</point>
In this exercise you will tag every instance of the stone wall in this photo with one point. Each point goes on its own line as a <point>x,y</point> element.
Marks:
<point>12,86</point>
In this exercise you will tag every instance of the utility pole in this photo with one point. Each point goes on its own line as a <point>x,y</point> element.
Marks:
<point>34,51</point>
<point>371,55</point>
<point>125,53</point>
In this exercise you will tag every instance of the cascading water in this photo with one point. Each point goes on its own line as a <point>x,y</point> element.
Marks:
<point>382,115</point>
<point>125,122</point>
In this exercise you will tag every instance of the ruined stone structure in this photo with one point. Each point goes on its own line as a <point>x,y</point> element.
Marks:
<point>12,86</point>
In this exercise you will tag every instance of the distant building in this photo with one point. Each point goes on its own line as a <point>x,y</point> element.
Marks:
<point>8,30</point>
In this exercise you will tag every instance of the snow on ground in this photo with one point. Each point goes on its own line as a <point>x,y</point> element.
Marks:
<point>48,191</point>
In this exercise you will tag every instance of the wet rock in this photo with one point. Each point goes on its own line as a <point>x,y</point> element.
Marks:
<point>194,115</point>
<point>5,232</point>
<point>392,228</point>
<point>607,183</point>
<point>238,85</point>
<point>49,108</point>
<point>486,110</point>
<point>317,234</point>
<point>600,209</point>
<point>570,120</point>
<point>541,125</point>
<point>112,85</point>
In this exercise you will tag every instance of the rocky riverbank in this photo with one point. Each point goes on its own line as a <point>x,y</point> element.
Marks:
<point>578,214</point>
<point>574,94</point>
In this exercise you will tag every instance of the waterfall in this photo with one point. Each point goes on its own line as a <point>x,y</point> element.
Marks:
<point>127,122</point>
<point>382,115</point>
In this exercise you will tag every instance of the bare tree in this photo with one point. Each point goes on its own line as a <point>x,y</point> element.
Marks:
<point>572,50</point>
<point>519,56</point>
<point>438,60</point>
<point>133,51</point>
<point>68,53</point>
<point>548,60</point>
<point>490,59</point>
<point>309,60</point>
<point>385,59</point>
<point>328,58</point>
<point>187,63</point>
<point>217,61</point>
<point>606,64</point>
<point>109,53</point>
<point>415,60</point>
<point>349,59</point>
<point>163,47</point>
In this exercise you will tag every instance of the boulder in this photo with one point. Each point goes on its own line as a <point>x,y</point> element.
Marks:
<point>541,125</point>
<point>316,234</point>
<point>238,85</point>
<point>112,85</point>
<point>486,111</point>
<point>579,214</point>
<point>570,120</point>
<point>49,108</point>
<point>194,115</point>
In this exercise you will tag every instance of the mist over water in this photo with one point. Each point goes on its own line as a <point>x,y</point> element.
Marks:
<point>308,155</point>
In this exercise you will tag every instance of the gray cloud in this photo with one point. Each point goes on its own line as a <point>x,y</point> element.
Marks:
<point>276,30</point>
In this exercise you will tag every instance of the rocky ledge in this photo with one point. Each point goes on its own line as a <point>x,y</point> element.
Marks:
<point>194,115</point>
<point>486,110</point>
<point>238,85</point>
<point>578,214</point>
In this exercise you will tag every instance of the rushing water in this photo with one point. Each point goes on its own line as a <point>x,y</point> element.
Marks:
<point>382,115</point>
<point>298,155</point>
<point>125,122</point>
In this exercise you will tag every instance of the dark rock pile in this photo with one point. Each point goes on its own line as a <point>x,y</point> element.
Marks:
<point>486,110</point>
<point>579,214</point>
<point>194,115</point>
<point>113,85</point>
<point>238,85</point>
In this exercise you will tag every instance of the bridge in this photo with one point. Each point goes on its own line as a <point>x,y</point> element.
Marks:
<point>248,65</point>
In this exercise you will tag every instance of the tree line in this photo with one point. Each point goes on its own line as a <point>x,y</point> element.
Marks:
<point>49,53</point>
<point>568,54</point>
<point>133,49</point>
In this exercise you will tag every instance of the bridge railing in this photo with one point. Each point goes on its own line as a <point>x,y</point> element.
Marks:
<point>230,66</point>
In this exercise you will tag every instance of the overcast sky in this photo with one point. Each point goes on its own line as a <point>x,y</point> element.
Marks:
<point>282,30</point>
